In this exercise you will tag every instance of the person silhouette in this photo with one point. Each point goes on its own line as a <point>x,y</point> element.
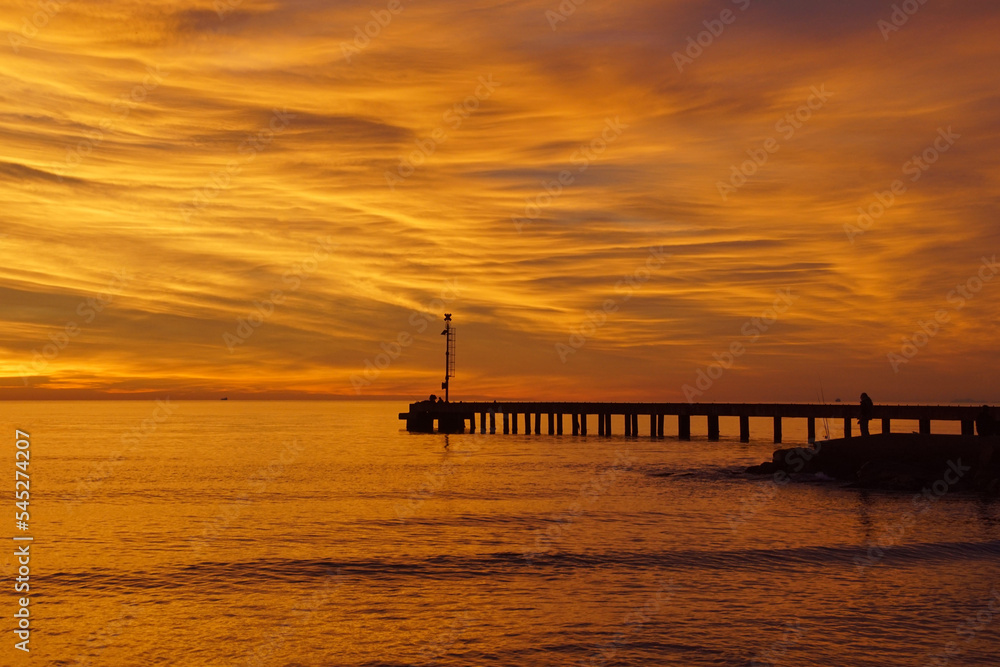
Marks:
<point>866,413</point>
<point>985,426</point>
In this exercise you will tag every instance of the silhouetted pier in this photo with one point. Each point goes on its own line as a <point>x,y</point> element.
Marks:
<point>649,419</point>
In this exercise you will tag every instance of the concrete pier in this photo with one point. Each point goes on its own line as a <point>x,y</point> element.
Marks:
<point>426,417</point>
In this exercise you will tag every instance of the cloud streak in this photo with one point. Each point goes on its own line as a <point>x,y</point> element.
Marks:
<point>159,103</point>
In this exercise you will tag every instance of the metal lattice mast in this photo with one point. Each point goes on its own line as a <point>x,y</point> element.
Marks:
<point>449,353</point>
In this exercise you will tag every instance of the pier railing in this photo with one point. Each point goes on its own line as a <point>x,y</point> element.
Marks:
<point>552,417</point>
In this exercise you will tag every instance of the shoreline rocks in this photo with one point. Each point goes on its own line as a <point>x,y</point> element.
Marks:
<point>895,462</point>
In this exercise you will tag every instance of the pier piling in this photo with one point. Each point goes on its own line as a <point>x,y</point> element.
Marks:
<point>713,427</point>
<point>684,427</point>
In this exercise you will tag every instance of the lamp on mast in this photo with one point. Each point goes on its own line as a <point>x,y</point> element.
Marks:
<point>449,353</point>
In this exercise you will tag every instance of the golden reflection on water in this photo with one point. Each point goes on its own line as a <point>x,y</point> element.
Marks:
<point>319,533</point>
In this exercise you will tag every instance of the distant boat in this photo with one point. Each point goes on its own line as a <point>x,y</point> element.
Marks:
<point>224,398</point>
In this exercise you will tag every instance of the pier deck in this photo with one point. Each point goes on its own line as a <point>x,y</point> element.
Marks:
<point>550,417</point>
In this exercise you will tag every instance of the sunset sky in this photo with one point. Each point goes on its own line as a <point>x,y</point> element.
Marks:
<point>258,198</point>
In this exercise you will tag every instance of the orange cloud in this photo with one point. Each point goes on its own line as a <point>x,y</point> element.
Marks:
<point>262,161</point>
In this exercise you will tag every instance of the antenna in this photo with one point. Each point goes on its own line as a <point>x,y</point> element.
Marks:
<point>449,353</point>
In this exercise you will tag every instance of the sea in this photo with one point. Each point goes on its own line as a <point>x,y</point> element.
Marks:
<point>282,533</point>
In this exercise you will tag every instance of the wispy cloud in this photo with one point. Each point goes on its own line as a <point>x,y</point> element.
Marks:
<point>68,84</point>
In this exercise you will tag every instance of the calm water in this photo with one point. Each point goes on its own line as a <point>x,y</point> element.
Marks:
<point>319,533</point>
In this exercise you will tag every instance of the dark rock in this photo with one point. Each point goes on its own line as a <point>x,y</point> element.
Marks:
<point>766,468</point>
<point>897,461</point>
